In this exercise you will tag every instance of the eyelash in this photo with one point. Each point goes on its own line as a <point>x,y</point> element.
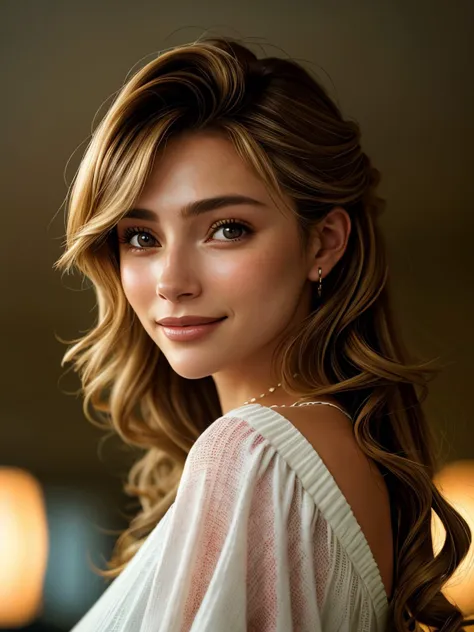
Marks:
<point>131,231</point>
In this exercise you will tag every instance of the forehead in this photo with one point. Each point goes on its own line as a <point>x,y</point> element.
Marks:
<point>199,165</point>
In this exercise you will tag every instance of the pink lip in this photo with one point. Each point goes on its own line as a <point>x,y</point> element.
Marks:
<point>189,332</point>
<point>184,321</point>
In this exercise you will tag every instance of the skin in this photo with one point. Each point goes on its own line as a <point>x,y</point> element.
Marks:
<point>262,282</point>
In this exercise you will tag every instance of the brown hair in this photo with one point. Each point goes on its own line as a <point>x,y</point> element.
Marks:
<point>284,125</point>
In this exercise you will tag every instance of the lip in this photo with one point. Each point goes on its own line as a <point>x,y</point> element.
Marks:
<point>187,333</point>
<point>184,321</point>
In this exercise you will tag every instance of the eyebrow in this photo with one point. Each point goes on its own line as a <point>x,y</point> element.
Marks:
<point>196,208</point>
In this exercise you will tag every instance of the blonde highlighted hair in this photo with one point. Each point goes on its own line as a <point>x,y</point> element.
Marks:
<point>282,122</point>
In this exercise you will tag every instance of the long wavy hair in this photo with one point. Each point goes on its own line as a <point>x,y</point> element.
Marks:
<point>282,122</point>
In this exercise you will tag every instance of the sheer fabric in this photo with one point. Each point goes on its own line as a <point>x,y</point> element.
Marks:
<point>259,538</point>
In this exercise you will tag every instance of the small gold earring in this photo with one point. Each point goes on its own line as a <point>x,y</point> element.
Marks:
<point>320,286</point>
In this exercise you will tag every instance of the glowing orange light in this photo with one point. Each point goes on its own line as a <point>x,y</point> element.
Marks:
<point>23,547</point>
<point>456,482</point>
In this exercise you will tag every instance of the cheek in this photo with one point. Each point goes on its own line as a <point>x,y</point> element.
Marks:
<point>242,277</point>
<point>137,284</point>
<point>263,277</point>
<point>231,277</point>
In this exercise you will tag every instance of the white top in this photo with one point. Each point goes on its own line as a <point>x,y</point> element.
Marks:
<point>259,538</point>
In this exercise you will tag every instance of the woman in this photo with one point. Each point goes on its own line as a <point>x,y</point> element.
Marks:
<point>287,475</point>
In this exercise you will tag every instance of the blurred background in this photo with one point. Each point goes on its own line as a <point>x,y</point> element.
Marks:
<point>401,68</point>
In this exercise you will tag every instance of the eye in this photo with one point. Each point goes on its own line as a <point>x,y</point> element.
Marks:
<point>235,226</point>
<point>144,238</point>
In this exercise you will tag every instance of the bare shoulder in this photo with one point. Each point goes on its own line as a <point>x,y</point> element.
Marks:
<point>330,433</point>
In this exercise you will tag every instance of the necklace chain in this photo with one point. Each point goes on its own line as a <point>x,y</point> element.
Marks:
<point>254,399</point>
<point>297,403</point>
<point>270,390</point>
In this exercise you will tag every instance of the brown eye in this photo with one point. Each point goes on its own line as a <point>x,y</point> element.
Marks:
<point>143,238</point>
<point>231,229</point>
<point>231,232</point>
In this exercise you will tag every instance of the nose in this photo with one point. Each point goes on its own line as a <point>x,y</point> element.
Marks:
<point>176,278</point>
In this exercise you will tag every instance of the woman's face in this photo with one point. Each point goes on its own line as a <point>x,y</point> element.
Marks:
<point>252,272</point>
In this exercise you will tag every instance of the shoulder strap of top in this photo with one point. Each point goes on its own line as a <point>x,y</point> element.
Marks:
<point>311,404</point>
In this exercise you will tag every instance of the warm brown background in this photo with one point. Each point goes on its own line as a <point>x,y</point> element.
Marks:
<point>402,68</point>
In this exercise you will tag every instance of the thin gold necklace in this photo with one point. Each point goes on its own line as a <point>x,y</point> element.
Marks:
<point>270,390</point>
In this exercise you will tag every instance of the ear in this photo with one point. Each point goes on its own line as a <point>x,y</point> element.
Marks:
<point>329,242</point>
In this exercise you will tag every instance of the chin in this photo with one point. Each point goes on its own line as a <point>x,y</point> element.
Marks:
<point>191,375</point>
<point>189,370</point>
